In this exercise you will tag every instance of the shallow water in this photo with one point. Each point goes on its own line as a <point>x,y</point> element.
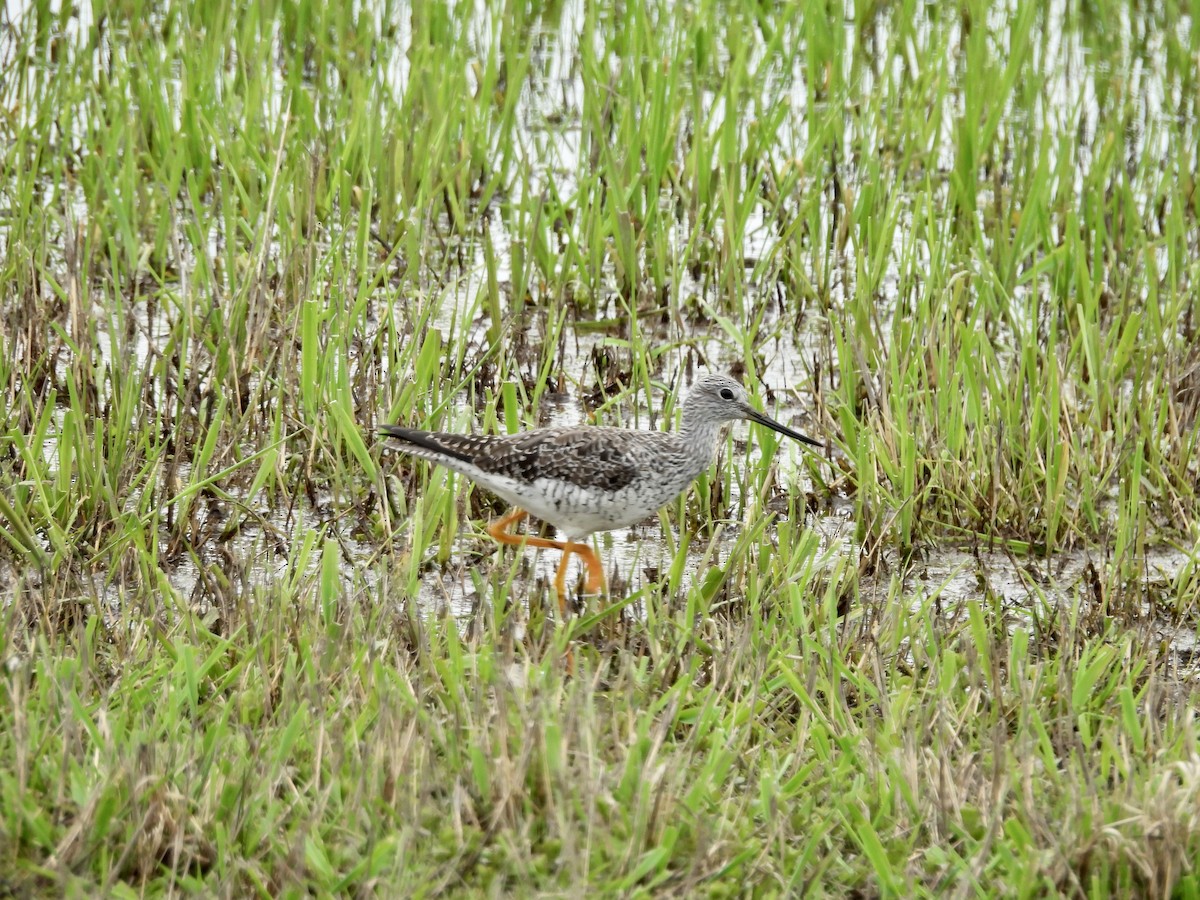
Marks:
<point>791,344</point>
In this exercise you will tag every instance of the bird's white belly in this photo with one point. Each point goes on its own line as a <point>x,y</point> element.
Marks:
<point>579,511</point>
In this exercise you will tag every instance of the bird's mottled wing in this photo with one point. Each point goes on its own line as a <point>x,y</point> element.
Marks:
<point>598,458</point>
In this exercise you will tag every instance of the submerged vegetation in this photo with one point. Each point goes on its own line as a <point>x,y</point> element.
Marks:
<point>246,654</point>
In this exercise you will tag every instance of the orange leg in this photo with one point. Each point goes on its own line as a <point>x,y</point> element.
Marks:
<point>499,531</point>
<point>595,569</point>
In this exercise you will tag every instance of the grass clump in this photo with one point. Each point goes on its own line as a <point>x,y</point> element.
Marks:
<point>358,748</point>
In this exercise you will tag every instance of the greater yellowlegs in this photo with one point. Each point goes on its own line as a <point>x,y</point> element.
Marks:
<point>584,479</point>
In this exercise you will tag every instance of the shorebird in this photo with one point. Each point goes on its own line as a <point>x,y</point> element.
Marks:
<point>584,479</point>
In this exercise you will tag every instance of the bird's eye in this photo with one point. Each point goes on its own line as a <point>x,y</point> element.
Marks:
<point>726,394</point>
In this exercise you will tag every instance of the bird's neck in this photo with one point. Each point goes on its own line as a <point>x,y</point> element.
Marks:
<point>700,438</point>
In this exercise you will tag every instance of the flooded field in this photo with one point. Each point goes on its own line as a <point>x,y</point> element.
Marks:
<point>250,650</point>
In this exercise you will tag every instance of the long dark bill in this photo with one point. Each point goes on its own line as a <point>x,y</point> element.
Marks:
<point>764,419</point>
